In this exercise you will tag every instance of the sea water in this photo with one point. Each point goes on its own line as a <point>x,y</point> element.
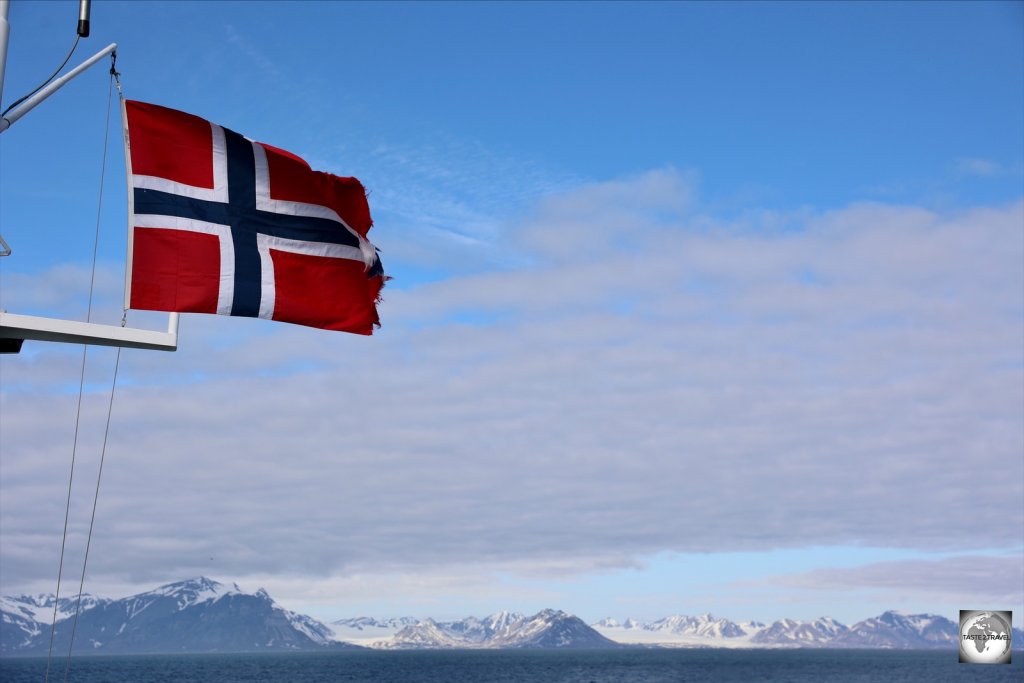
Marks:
<point>519,666</point>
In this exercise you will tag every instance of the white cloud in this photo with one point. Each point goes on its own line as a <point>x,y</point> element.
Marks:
<point>665,382</point>
<point>612,219</point>
<point>978,167</point>
<point>963,579</point>
<point>257,57</point>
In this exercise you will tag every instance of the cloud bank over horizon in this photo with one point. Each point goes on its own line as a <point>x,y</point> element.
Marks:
<point>649,378</point>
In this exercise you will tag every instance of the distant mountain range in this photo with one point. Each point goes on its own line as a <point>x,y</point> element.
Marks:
<point>891,630</point>
<point>201,615</point>
<point>198,615</point>
<point>508,630</point>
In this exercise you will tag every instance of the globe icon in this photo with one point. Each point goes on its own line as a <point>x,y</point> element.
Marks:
<point>985,638</point>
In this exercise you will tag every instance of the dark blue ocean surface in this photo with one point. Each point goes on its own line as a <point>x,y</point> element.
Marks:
<point>597,666</point>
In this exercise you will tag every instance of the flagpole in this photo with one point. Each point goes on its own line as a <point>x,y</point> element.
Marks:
<point>5,33</point>
<point>31,103</point>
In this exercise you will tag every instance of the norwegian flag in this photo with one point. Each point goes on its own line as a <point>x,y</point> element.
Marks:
<point>221,224</point>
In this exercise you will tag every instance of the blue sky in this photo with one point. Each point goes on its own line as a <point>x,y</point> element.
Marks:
<point>696,307</point>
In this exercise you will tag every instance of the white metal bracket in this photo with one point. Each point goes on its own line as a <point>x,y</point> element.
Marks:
<point>20,327</point>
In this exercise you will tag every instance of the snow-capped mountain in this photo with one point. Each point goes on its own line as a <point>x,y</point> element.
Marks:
<point>481,631</point>
<point>367,631</point>
<point>678,630</point>
<point>40,607</point>
<point>789,632</point>
<point>22,617</point>
<point>626,625</point>
<point>546,629</point>
<point>901,631</point>
<point>891,630</point>
<point>199,615</point>
<point>427,634</point>
<point>369,623</point>
<point>704,625</point>
<point>550,628</point>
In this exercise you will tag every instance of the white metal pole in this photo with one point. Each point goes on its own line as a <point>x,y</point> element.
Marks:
<point>130,247</point>
<point>5,32</point>
<point>53,87</point>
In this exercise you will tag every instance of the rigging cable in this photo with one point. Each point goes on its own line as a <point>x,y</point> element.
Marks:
<point>92,519</point>
<point>81,387</point>
<point>43,84</point>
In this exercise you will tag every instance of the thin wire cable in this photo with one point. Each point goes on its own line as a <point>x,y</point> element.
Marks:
<point>78,411</point>
<point>67,510</point>
<point>92,519</point>
<point>43,84</point>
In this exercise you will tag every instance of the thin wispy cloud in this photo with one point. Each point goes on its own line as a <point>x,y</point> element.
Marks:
<point>262,62</point>
<point>978,167</point>
<point>448,203</point>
